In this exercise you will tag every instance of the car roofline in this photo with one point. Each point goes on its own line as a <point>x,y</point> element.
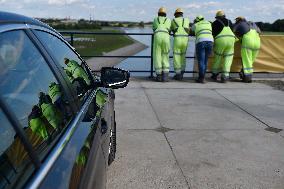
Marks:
<point>13,18</point>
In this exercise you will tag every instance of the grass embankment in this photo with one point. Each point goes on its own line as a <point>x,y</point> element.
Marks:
<point>89,45</point>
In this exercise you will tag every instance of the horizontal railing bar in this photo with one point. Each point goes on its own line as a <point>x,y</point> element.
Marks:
<point>172,71</point>
<point>109,56</point>
<point>106,33</point>
<point>148,71</point>
<point>102,33</point>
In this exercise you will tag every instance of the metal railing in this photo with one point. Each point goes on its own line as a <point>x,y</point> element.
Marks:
<point>72,33</point>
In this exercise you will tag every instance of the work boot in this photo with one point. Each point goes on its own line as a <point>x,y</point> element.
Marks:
<point>214,76</point>
<point>224,79</point>
<point>159,78</point>
<point>182,72</point>
<point>178,77</point>
<point>241,74</point>
<point>200,80</point>
<point>165,77</point>
<point>247,78</point>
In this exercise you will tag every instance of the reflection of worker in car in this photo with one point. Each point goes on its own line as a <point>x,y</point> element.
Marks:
<point>54,92</point>
<point>77,76</point>
<point>56,95</point>
<point>81,161</point>
<point>49,111</point>
<point>39,124</point>
<point>75,71</point>
<point>38,132</point>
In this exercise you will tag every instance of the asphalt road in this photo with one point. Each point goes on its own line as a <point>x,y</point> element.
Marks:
<point>198,136</point>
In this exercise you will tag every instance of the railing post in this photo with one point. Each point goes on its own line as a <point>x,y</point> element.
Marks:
<point>72,39</point>
<point>152,63</point>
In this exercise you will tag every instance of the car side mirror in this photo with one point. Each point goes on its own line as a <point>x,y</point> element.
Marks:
<point>114,77</point>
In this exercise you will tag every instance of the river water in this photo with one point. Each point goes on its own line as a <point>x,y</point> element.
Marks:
<point>145,63</point>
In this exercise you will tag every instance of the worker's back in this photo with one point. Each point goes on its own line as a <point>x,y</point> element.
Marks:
<point>161,24</point>
<point>180,26</point>
<point>219,24</point>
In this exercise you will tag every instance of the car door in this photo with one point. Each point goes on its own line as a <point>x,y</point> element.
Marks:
<point>88,168</point>
<point>37,96</point>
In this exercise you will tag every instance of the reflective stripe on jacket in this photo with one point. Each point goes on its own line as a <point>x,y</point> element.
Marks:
<point>226,31</point>
<point>203,29</point>
<point>161,24</point>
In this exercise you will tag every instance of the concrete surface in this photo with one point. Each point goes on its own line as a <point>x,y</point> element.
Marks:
<point>198,136</point>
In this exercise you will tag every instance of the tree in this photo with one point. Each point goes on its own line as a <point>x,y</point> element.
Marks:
<point>278,25</point>
<point>141,24</point>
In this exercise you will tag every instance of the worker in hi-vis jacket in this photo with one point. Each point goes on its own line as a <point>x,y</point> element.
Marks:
<point>202,30</point>
<point>180,29</point>
<point>248,33</point>
<point>161,46</point>
<point>224,41</point>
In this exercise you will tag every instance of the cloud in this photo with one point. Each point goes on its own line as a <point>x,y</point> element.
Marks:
<point>64,2</point>
<point>88,6</point>
<point>213,3</point>
<point>144,10</point>
<point>202,5</point>
<point>193,5</point>
<point>3,1</point>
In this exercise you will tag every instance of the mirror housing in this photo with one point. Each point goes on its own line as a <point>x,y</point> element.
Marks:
<point>114,77</point>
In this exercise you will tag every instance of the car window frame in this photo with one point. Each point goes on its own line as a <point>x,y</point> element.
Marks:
<point>63,138</point>
<point>71,48</point>
<point>67,88</point>
<point>48,59</point>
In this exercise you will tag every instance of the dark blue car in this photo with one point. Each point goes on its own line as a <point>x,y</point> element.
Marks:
<point>57,118</point>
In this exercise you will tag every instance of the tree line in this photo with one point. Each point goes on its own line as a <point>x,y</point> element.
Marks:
<point>277,26</point>
<point>68,24</point>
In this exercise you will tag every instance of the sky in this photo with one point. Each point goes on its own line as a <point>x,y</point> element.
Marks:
<point>144,10</point>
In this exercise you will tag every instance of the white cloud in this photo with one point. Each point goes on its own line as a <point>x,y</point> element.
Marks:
<point>203,5</point>
<point>213,3</point>
<point>193,5</point>
<point>145,10</point>
<point>64,2</point>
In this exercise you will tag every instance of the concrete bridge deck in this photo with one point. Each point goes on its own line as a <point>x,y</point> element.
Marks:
<point>198,136</point>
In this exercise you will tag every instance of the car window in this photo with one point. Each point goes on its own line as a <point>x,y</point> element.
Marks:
<point>14,160</point>
<point>68,59</point>
<point>32,92</point>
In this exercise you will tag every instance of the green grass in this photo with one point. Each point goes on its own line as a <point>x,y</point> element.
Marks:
<point>102,43</point>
